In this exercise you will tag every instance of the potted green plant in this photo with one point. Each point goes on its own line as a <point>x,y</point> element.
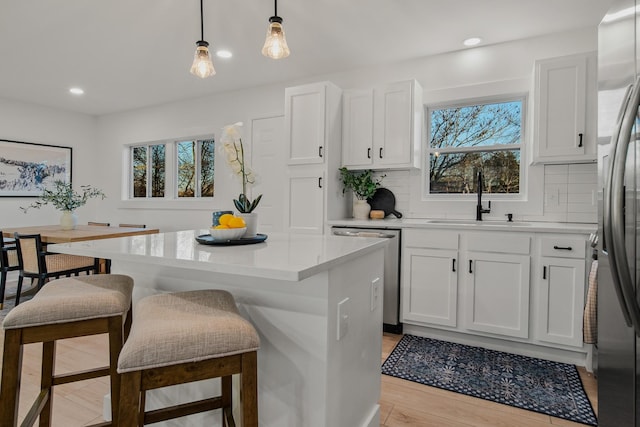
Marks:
<point>364,185</point>
<point>65,199</point>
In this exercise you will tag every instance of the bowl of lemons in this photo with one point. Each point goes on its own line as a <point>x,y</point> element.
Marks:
<point>230,227</point>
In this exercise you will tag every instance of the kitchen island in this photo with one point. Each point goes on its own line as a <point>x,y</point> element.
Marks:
<point>315,301</point>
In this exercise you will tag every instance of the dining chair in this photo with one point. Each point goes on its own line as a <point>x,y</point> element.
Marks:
<point>8,262</point>
<point>35,263</point>
<point>133,225</point>
<point>101,224</point>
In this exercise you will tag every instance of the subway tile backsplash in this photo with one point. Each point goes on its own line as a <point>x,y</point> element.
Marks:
<point>569,192</point>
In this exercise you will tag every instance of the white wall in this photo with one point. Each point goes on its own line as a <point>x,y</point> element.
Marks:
<point>32,123</point>
<point>482,71</point>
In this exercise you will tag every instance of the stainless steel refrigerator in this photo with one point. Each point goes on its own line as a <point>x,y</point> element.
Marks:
<point>618,348</point>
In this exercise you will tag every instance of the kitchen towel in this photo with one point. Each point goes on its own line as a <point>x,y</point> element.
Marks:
<point>590,315</point>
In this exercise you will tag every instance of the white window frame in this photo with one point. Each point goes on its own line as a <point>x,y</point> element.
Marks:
<point>198,163</point>
<point>148,181</point>
<point>425,174</point>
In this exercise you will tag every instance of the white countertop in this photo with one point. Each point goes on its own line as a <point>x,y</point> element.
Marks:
<point>282,256</point>
<point>469,225</point>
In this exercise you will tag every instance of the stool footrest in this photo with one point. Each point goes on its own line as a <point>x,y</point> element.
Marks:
<point>36,408</point>
<point>81,376</point>
<point>182,410</point>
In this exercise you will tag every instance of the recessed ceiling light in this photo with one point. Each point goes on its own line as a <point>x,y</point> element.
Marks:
<point>223,54</point>
<point>76,91</point>
<point>472,41</point>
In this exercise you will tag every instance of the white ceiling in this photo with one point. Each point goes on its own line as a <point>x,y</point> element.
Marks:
<point>128,54</point>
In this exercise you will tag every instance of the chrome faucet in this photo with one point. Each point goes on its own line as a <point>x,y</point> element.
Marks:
<point>479,209</point>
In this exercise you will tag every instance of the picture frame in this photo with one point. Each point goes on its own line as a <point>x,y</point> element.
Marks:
<point>27,168</point>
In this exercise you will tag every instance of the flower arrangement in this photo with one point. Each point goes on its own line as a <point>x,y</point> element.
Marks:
<point>63,198</point>
<point>234,152</point>
<point>363,184</point>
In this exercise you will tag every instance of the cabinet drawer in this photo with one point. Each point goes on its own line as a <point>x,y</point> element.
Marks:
<point>437,239</point>
<point>563,247</point>
<point>510,243</point>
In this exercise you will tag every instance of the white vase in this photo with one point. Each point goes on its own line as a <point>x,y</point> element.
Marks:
<point>251,219</point>
<point>361,209</point>
<point>68,220</point>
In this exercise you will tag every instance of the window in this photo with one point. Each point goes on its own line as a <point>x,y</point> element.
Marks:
<point>195,168</point>
<point>148,171</point>
<point>191,177</point>
<point>471,137</point>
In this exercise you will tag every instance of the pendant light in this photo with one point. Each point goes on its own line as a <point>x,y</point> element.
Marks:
<point>202,65</point>
<point>275,46</point>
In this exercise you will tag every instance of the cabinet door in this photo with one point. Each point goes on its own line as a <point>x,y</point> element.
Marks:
<point>357,128</point>
<point>306,201</point>
<point>497,293</point>
<point>393,111</point>
<point>561,109</point>
<point>305,123</point>
<point>561,301</point>
<point>429,286</point>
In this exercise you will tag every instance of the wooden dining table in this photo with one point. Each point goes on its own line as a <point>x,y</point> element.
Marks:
<point>55,233</point>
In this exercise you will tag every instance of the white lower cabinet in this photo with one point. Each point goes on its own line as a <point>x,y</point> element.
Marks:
<point>497,293</point>
<point>305,212</point>
<point>431,291</point>
<point>520,288</point>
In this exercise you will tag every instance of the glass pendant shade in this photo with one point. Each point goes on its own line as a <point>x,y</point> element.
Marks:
<point>275,46</point>
<point>202,65</point>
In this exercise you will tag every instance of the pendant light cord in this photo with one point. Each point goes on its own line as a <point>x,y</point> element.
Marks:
<point>276,7</point>
<point>201,21</point>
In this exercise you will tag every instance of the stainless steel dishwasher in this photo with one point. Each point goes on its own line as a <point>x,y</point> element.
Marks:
<point>391,295</point>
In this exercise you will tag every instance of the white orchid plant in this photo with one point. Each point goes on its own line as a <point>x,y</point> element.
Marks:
<point>234,153</point>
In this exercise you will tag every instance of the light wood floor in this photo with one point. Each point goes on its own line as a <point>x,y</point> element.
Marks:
<point>403,403</point>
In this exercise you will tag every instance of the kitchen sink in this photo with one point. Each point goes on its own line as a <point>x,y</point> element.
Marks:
<point>478,223</point>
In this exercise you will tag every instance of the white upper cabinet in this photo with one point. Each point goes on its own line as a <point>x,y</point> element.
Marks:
<point>309,111</point>
<point>565,109</point>
<point>382,128</point>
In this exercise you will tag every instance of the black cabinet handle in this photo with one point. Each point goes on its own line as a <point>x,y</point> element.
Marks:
<point>380,152</point>
<point>562,248</point>
<point>580,140</point>
<point>470,269</point>
<point>320,182</point>
<point>453,265</point>
<point>320,151</point>
<point>368,153</point>
<point>544,272</point>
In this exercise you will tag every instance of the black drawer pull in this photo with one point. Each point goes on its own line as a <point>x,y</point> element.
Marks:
<point>562,248</point>
<point>544,272</point>
<point>470,269</point>
<point>380,152</point>
<point>320,151</point>
<point>580,142</point>
<point>453,265</point>
<point>368,153</point>
<point>320,182</point>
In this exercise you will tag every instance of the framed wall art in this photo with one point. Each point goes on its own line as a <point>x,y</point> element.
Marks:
<point>27,168</point>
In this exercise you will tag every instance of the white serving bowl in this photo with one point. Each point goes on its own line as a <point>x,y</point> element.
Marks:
<point>227,233</point>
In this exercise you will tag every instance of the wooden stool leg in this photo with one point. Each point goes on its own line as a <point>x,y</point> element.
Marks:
<point>3,285</point>
<point>129,407</point>
<point>46,380</point>
<point>249,389</point>
<point>115,345</point>
<point>226,388</point>
<point>11,370</point>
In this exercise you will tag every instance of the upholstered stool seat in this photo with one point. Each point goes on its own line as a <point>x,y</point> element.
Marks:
<point>183,337</point>
<point>65,308</point>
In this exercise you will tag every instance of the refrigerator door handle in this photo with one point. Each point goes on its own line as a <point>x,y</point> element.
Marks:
<point>614,214</point>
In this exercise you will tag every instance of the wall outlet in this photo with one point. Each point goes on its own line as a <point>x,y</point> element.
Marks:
<point>375,292</point>
<point>343,318</point>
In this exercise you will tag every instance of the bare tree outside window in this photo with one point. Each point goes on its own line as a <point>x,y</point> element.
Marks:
<point>469,138</point>
<point>139,173</point>
<point>157,170</point>
<point>196,168</point>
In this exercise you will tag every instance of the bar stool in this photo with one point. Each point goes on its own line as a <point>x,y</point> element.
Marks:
<point>182,337</point>
<point>65,308</point>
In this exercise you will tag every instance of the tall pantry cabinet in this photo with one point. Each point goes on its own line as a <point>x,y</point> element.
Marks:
<point>313,135</point>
